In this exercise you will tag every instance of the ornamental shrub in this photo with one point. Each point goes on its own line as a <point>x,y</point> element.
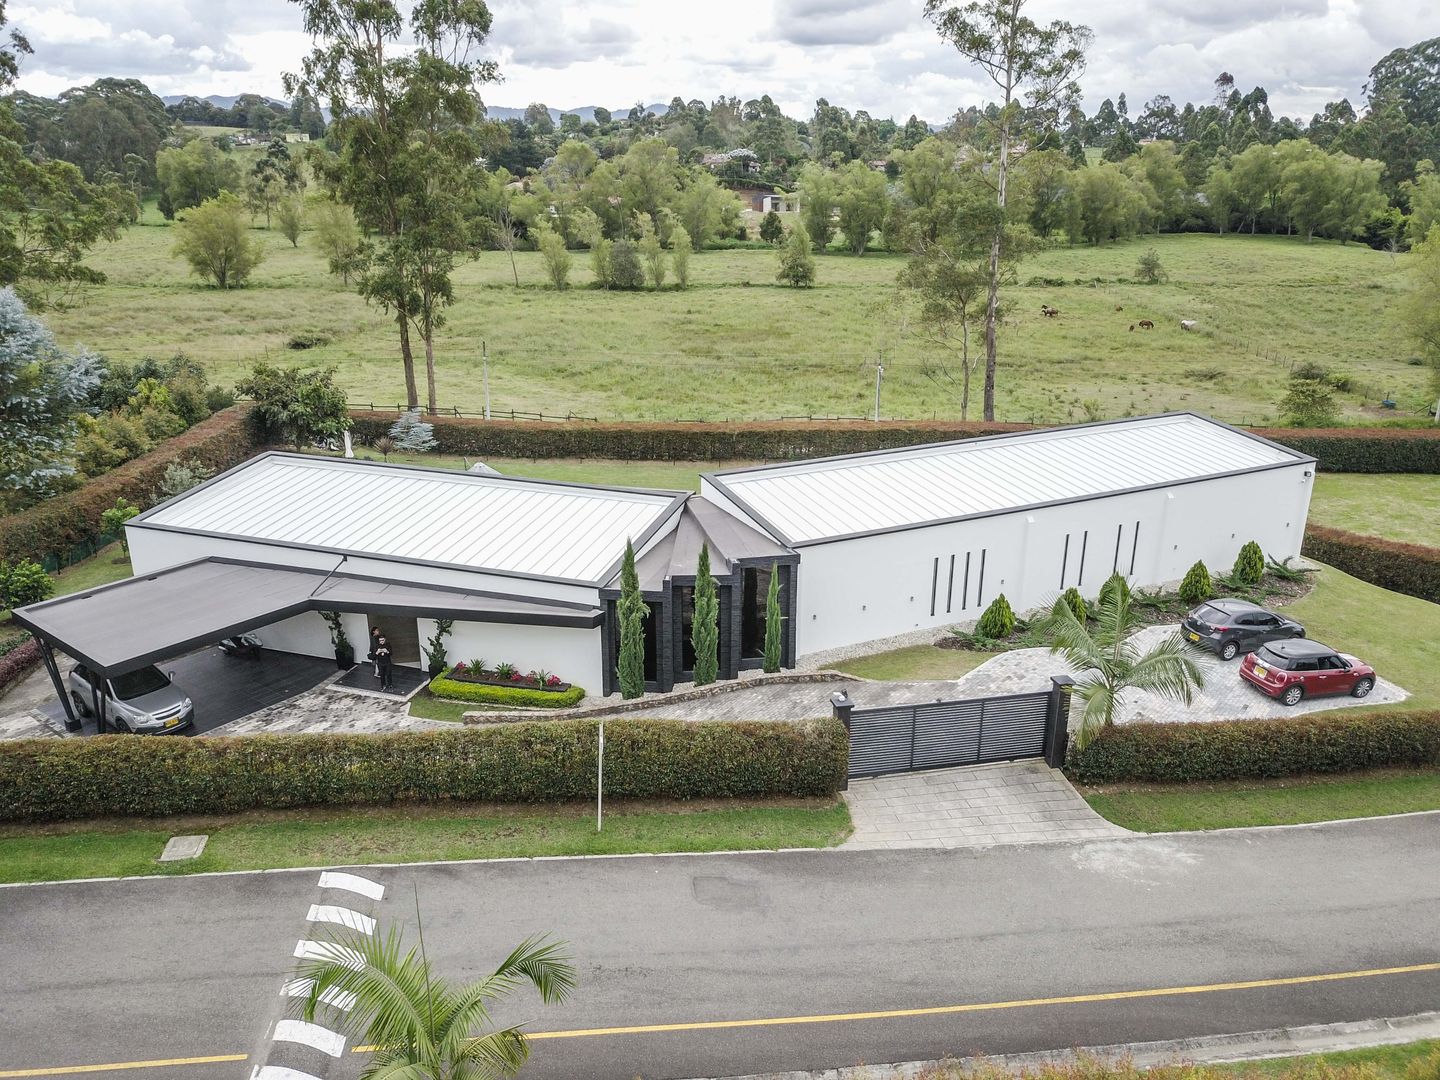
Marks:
<point>1076,603</point>
<point>998,622</point>
<point>631,610</point>
<point>705,628</point>
<point>514,696</point>
<point>24,583</point>
<point>525,762</point>
<point>1196,588</point>
<point>17,661</point>
<point>1249,565</point>
<point>625,269</point>
<point>1335,742</point>
<point>774,623</point>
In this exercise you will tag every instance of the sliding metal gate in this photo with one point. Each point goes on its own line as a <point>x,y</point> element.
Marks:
<point>940,734</point>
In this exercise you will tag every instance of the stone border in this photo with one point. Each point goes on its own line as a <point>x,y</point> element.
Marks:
<point>654,700</point>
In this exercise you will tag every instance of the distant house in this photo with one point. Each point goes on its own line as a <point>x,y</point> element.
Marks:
<point>297,136</point>
<point>781,203</point>
<point>743,155</point>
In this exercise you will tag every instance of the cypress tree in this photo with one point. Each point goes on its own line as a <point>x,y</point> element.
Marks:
<point>632,610</point>
<point>774,624</point>
<point>705,631</point>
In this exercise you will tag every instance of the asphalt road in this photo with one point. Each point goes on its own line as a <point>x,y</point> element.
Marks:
<point>158,969</point>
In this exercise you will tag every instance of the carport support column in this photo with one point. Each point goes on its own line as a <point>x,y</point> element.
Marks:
<point>1057,721</point>
<point>47,654</point>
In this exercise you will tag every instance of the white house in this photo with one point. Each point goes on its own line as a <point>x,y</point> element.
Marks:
<point>866,546</point>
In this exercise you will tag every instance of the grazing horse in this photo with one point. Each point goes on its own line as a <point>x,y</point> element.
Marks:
<point>1145,324</point>
<point>1119,307</point>
<point>1187,324</point>
<point>1132,327</point>
<point>1048,311</point>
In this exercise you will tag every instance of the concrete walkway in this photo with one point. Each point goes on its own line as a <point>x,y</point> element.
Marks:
<point>1020,802</point>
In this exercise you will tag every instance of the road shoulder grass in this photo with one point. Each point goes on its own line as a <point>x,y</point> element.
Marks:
<point>1296,800</point>
<point>276,840</point>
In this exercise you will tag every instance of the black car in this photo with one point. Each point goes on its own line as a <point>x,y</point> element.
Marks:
<point>1230,627</point>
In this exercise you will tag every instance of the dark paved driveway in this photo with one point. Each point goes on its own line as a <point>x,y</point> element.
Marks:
<point>225,688</point>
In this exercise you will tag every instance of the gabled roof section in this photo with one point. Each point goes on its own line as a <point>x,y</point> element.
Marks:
<point>809,502</point>
<point>701,523</point>
<point>499,524</point>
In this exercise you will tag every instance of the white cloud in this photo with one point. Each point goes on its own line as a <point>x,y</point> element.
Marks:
<point>877,55</point>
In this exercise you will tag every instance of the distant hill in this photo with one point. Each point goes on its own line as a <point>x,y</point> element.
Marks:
<point>495,112</point>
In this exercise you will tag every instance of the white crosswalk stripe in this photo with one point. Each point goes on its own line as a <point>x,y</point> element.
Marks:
<point>343,1000</point>
<point>328,950</point>
<point>334,879</point>
<point>342,916</point>
<point>313,1035</point>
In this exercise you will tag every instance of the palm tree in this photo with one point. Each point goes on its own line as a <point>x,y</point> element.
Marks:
<point>418,1025</point>
<point>1108,663</point>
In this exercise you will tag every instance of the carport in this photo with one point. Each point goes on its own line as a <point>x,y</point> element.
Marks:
<point>127,625</point>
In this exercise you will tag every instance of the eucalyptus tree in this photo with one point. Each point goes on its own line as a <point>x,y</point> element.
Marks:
<point>1036,70</point>
<point>407,123</point>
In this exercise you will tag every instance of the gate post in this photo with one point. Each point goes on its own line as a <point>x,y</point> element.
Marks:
<point>841,707</point>
<point>1057,721</point>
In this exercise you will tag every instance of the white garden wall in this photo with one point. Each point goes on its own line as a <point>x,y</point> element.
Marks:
<point>573,653</point>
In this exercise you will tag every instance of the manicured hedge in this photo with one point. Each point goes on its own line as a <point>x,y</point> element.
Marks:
<point>1404,568</point>
<point>1336,742</point>
<point>16,661</point>
<point>539,761</point>
<point>518,696</point>
<point>1415,450</point>
<point>1364,450</point>
<point>676,442</point>
<point>57,525</point>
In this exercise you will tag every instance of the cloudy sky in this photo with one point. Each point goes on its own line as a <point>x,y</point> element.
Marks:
<point>878,55</point>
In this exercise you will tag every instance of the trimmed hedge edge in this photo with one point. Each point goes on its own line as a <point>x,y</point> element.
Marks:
<point>16,663</point>
<point>529,762</point>
<point>1258,749</point>
<point>518,696</point>
<point>1404,568</point>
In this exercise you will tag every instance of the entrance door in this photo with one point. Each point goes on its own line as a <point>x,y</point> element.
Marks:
<point>403,636</point>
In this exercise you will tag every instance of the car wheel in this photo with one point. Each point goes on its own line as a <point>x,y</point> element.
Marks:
<point>1292,696</point>
<point>1363,687</point>
<point>1228,650</point>
<point>80,707</point>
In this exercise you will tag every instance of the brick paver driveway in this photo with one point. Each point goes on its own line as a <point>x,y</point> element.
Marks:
<point>1018,802</point>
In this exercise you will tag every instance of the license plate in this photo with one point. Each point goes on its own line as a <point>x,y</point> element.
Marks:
<point>1259,670</point>
<point>1193,636</point>
<point>172,721</point>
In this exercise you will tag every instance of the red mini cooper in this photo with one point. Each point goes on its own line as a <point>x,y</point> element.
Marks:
<point>1300,668</point>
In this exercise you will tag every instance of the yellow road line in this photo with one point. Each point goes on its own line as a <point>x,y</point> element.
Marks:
<point>114,1066</point>
<point>987,1006</point>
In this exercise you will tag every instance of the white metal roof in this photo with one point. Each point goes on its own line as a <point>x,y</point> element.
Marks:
<point>807,501</point>
<point>510,525</point>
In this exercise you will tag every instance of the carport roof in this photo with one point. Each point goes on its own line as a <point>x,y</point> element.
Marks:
<point>131,623</point>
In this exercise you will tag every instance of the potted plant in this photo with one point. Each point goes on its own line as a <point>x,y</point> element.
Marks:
<point>344,651</point>
<point>435,646</point>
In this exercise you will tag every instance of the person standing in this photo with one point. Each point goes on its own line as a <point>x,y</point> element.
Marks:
<point>374,637</point>
<point>383,664</point>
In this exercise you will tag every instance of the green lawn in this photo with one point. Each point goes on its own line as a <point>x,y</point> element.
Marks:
<point>1403,506</point>
<point>1183,807</point>
<point>1394,633</point>
<point>1387,1062</point>
<point>329,838</point>
<point>738,345</point>
<point>915,662</point>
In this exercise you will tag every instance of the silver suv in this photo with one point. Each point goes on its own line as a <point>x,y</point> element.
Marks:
<point>143,701</point>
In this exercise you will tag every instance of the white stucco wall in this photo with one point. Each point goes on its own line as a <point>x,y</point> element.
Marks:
<point>867,588</point>
<point>309,635</point>
<point>573,653</point>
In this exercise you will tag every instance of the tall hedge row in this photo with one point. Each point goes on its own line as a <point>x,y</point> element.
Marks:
<point>57,525</point>
<point>1364,450</point>
<point>544,761</point>
<point>1335,742</point>
<point>676,442</point>
<point>1403,568</point>
<point>1415,450</point>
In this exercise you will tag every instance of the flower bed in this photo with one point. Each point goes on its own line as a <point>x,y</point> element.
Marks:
<point>489,691</point>
<point>504,675</point>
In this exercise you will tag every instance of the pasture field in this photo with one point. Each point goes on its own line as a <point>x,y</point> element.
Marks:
<point>737,345</point>
<point>1400,506</point>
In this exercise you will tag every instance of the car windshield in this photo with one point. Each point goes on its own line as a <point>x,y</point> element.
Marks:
<point>1270,658</point>
<point>1211,616</point>
<point>135,684</point>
